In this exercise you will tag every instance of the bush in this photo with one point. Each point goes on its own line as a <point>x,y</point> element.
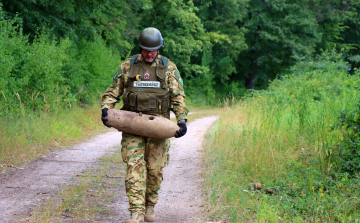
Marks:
<point>90,69</point>
<point>32,75</point>
<point>346,155</point>
<point>50,73</point>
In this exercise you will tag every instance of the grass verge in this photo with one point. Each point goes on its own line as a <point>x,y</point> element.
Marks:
<point>30,135</point>
<point>278,156</point>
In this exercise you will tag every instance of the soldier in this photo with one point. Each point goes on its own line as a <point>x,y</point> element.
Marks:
<point>151,84</point>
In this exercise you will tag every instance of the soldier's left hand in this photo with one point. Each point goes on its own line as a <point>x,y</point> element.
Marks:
<point>182,131</point>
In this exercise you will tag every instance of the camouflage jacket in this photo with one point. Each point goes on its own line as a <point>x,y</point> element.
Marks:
<point>177,94</point>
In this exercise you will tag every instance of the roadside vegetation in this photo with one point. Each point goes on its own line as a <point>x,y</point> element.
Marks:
<point>50,90</point>
<point>26,137</point>
<point>39,110</point>
<point>290,153</point>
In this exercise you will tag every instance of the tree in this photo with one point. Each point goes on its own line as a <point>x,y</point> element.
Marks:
<point>185,42</point>
<point>224,17</point>
<point>277,30</point>
<point>78,20</point>
<point>339,23</point>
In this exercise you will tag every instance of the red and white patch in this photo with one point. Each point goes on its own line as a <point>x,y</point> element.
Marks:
<point>147,75</point>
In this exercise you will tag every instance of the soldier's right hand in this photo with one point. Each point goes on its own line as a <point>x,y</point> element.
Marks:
<point>103,116</point>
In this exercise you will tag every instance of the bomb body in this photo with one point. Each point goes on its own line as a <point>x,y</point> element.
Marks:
<point>141,124</point>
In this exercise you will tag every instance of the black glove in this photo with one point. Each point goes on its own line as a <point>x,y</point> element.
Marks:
<point>103,116</point>
<point>182,130</point>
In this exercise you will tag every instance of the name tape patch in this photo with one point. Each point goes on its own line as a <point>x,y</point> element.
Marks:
<point>155,84</point>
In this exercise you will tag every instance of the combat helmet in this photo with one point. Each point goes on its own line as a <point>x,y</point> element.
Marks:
<point>150,39</point>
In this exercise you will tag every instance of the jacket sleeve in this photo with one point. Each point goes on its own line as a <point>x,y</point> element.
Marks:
<point>116,89</point>
<point>177,94</point>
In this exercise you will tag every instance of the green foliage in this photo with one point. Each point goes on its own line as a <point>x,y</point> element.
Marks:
<point>221,47</point>
<point>68,18</point>
<point>308,194</point>
<point>334,62</point>
<point>224,17</point>
<point>32,75</point>
<point>277,31</point>
<point>338,26</point>
<point>78,20</point>
<point>284,138</point>
<point>334,19</point>
<point>116,22</point>
<point>49,73</point>
<point>89,69</point>
<point>186,41</point>
<point>346,155</point>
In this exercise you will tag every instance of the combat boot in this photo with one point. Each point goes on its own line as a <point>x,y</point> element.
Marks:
<point>135,218</point>
<point>149,214</point>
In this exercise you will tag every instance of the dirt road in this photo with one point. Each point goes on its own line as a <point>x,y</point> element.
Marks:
<point>180,198</point>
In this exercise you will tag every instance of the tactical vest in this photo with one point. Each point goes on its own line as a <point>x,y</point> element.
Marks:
<point>150,95</point>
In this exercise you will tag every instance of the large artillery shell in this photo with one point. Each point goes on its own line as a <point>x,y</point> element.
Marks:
<point>141,124</point>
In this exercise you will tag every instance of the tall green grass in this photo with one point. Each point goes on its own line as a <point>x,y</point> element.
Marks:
<point>269,157</point>
<point>29,135</point>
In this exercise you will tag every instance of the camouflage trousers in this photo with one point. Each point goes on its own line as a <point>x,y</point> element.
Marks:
<point>145,158</point>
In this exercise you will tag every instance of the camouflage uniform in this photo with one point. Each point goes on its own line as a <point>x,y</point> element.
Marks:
<point>145,157</point>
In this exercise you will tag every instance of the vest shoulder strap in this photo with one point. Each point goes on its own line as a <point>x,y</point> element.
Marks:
<point>164,61</point>
<point>133,60</point>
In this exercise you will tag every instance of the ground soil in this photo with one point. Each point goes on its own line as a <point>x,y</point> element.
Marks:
<point>181,196</point>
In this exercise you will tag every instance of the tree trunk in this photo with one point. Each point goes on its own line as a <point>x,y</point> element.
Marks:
<point>250,81</point>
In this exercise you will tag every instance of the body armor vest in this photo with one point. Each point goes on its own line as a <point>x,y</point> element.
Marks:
<point>151,94</point>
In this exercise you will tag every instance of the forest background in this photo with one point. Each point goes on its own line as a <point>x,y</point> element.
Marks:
<point>59,53</point>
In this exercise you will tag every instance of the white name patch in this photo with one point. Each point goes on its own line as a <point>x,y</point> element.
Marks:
<point>155,84</point>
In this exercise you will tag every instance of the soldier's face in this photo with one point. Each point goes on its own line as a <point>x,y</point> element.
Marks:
<point>149,56</point>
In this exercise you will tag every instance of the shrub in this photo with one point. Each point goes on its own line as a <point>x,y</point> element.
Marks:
<point>32,75</point>
<point>50,73</point>
<point>90,69</point>
<point>346,155</point>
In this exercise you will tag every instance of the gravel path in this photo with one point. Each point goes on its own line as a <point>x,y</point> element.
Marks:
<point>180,197</point>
